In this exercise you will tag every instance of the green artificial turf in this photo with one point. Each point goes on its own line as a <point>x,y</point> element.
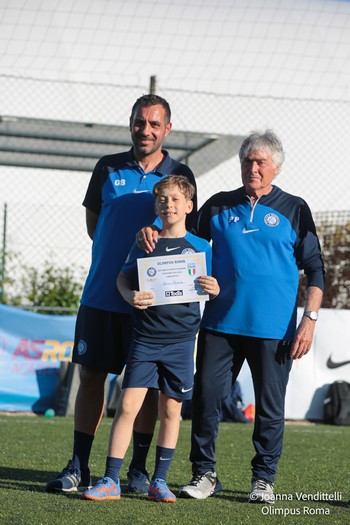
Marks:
<point>312,483</point>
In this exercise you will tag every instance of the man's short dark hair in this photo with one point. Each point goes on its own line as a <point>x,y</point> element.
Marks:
<point>152,100</point>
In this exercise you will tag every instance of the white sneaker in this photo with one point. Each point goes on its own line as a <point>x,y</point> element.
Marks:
<point>201,486</point>
<point>262,491</point>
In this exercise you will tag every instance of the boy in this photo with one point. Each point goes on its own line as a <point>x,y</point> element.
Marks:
<point>161,354</point>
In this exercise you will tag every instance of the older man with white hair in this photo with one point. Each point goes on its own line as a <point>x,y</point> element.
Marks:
<point>262,236</point>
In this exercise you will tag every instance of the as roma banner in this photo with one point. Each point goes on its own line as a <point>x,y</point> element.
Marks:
<point>32,346</point>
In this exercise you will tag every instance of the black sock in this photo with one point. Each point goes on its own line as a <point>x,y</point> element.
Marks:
<point>81,452</point>
<point>141,444</point>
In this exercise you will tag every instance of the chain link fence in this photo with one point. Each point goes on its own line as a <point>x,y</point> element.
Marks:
<point>43,222</point>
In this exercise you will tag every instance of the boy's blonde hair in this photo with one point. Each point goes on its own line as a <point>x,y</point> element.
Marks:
<point>179,181</point>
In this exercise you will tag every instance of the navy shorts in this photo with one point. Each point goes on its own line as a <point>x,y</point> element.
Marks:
<point>102,339</point>
<point>168,367</point>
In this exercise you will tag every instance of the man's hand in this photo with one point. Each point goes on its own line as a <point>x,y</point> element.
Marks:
<point>305,331</point>
<point>147,238</point>
<point>209,285</point>
<point>303,338</point>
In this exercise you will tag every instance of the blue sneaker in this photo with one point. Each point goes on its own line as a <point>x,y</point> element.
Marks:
<point>159,491</point>
<point>69,480</point>
<point>105,488</point>
<point>139,482</point>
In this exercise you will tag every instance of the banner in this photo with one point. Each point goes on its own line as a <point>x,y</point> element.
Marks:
<point>32,346</point>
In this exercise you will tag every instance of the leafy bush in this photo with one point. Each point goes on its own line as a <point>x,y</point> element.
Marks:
<point>335,242</point>
<point>50,289</point>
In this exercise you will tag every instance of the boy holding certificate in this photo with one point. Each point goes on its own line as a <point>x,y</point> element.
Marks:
<point>161,353</point>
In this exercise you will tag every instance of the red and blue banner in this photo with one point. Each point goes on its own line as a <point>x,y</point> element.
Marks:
<point>32,347</point>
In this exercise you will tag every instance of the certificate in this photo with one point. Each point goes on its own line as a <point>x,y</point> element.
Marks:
<point>172,278</point>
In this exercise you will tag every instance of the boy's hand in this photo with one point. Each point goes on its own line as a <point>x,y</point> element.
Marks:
<point>141,300</point>
<point>209,285</point>
<point>146,238</point>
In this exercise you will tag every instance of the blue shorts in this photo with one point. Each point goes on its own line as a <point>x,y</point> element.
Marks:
<point>102,339</point>
<point>167,367</point>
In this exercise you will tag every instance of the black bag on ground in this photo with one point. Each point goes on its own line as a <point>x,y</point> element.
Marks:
<point>336,406</point>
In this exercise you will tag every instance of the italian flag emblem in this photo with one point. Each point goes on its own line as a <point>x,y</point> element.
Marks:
<point>191,268</point>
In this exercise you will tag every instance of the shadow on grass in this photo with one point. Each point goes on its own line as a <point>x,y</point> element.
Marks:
<point>225,495</point>
<point>23,475</point>
<point>28,479</point>
<point>25,480</point>
<point>35,480</point>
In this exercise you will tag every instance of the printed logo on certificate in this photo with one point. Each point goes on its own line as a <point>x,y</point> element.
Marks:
<point>172,278</point>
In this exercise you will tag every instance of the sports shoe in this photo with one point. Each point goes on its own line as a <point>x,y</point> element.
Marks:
<point>201,486</point>
<point>69,480</point>
<point>262,491</point>
<point>159,491</point>
<point>139,482</point>
<point>105,488</point>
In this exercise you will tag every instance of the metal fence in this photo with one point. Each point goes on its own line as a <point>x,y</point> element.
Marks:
<point>42,218</point>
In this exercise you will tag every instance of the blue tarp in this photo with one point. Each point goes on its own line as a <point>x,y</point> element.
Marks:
<point>32,346</point>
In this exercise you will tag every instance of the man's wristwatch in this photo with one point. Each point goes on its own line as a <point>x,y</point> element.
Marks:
<point>311,315</point>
